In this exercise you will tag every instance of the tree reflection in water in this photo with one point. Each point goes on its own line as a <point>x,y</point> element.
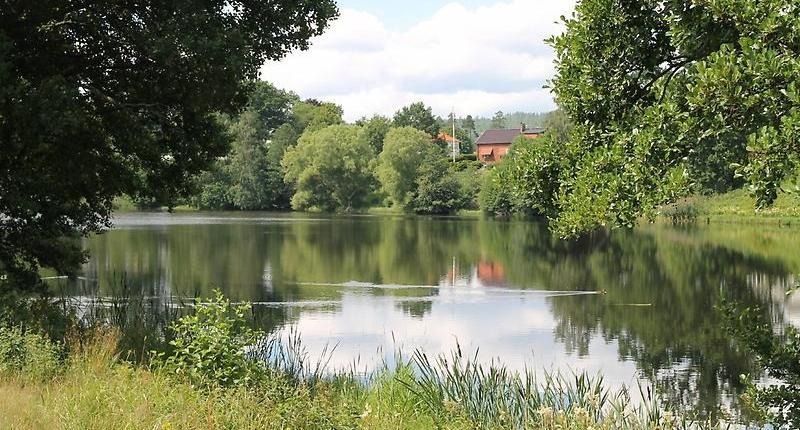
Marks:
<point>659,284</point>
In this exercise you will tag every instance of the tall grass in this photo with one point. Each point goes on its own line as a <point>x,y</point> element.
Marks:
<point>84,382</point>
<point>492,396</point>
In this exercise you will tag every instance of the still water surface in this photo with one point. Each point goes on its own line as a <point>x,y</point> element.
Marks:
<point>634,305</point>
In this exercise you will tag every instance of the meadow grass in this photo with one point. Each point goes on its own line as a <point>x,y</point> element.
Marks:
<point>734,206</point>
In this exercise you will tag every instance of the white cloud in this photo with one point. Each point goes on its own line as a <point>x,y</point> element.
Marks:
<point>478,60</point>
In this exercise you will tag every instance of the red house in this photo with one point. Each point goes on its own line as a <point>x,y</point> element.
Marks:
<point>493,145</point>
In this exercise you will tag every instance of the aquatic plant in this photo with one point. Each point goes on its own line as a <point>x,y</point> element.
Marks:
<point>491,396</point>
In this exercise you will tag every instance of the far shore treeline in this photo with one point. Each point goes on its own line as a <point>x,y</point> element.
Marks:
<point>287,153</point>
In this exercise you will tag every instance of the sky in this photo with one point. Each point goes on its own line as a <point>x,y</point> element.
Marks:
<point>469,56</point>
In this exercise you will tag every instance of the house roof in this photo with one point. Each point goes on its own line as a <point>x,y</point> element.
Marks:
<point>496,136</point>
<point>447,138</point>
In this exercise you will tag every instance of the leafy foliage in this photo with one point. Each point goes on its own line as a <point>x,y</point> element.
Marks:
<point>209,345</point>
<point>255,182</point>
<point>668,98</point>
<point>405,152</point>
<point>437,191</point>
<point>374,131</point>
<point>494,197</point>
<point>249,177</point>
<point>313,115</point>
<point>28,353</point>
<point>419,116</point>
<point>779,354</point>
<point>469,174</point>
<point>101,98</point>
<point>330,169</point>
<point>527,180</point>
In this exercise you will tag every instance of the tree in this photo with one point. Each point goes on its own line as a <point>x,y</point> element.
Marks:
<point>466,141</point>
<point>249,177</point>
<point>284,138</point>
<point>405,151</point>
<point>212,189</point>
<point>315,115</point>
<point>374,131</point>
<point>273,106</point>
<point>256,183</point>
<point>101,98</point>
<point>468,124</point>
<point>419,116</point>
<point>437,192</point>
<point>558,125</point>
<point>330,169</point>
<point>667,99</point>
<point>499,120</point>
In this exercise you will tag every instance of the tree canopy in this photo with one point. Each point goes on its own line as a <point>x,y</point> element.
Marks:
<point>374,130</point>
<point>330,169</point>
<point>419,116</point>
<point>499,120</point>
<point>406,151</point>
<point>101,98</point>
<point>668,98</point>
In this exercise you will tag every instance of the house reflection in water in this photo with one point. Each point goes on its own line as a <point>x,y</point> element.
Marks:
<point>491,274</point>
<point>483,274</point>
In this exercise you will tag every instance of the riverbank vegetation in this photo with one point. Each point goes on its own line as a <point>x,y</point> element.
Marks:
<point>658,116</point>
<point>217,372</point>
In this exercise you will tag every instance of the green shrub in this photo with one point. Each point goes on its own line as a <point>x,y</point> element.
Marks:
<point>209,346</point>
<point>494,197</point>
<point>533,179</point>
<point>28,354</point>
<point>437,195</point>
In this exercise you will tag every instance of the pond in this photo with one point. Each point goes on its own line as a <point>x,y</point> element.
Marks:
<point>633,305</point>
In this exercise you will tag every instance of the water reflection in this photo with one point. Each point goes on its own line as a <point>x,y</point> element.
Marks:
<point>630,304</point>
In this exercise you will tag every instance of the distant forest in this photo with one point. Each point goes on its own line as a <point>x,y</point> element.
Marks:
<point>512,120</point>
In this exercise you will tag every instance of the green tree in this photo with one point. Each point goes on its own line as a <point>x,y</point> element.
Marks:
<point>374,131</point>
<point>212,188</point>
<point>437,191</point>
<point>419,116</point>
<point>468,124</point>
<point>494,197</point>
<point>667,99</point>
<point>466,141</point>
<point>314,115</point>
<point>499,120</point>
<point>330,169</point>
<point>101,98</point>
<point>284,138</point>
<point>406,151</point>
<point>255,182</point>
<point>272,105</point>
<point>558,125</point>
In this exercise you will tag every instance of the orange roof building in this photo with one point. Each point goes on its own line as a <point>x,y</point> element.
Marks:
<point>494,144</point>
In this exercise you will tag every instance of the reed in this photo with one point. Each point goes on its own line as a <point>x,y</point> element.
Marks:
<point>278,384</point>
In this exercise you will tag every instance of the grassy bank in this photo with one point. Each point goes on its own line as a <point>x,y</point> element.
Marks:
<point>734,206</point>
<point>208,381</point>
